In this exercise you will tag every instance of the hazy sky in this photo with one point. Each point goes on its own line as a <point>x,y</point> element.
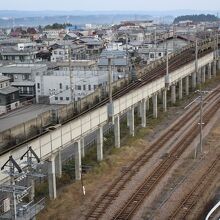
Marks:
<point>109,4</point>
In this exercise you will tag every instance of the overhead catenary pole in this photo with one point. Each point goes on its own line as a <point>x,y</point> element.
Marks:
<point>173,39</point>
<point>110,78</point>
<point>216,53</point>
<point>167,81</point>
<point>196,63</point>
<point>127,59</point>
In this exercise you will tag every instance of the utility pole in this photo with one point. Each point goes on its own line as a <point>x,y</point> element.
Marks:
<point>196,63</point>
<point>128,70</point>
<point>110,78</point>
<point>216,52</point>
<point>155,42</point>
<point>196,70</point>
<point>173,39</point>
<point>72,98</point>
<point>110,104</point>
<point>201,106</point>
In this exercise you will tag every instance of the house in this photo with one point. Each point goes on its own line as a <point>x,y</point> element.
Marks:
<point>70,36</point>
<point>23,72</point>
<point>60,51</point>
<point>155,50</point>
<point>9,96</point>
<point>53,33</point>
<point>18,55</point>
<point>93,45</point>
<point>26,89</point>
<point>119,60</point>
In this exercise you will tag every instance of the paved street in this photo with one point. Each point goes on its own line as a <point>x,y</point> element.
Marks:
<point>22,115</point>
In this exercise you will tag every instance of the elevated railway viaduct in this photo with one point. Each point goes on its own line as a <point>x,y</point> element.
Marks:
<point>182,71</point>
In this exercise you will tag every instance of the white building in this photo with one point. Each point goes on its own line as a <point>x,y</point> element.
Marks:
<point>54,87</point>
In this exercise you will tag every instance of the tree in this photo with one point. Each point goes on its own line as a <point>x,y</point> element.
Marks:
<point>197,18</point>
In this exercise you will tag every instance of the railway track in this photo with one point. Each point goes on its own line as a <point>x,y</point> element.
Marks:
<point>186,205</point>
<point>136,199</point>
<point>119,183</point>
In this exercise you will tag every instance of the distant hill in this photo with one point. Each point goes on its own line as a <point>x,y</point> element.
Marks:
<point>50,13</point>
<point>75,20</point>
<point>9,18</point>
<point>196,18</point>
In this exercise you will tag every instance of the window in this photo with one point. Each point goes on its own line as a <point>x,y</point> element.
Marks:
<point>55,52</point>
<point>61,98</point>
<point>89,87</point>
<point>84,87</point>
<point>0,85</point>
<point>151,55</point>
<point>38,85</point>
<point>67,87</point>
<point>79,87</point>
<point>67,98</point>
<point>61,86</point>
<point>95,86</point>
<point>56,98</point>
<point>12,96</point>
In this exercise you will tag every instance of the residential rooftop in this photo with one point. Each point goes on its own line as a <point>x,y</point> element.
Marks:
<point>4,78</point>
<point>8,90</point>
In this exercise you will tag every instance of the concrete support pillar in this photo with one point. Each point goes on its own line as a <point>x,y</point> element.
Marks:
<point>160,95</point>
<point>128,119</point>
<point>131,121</point>
<point>187,85</point>
<point>100,143</point>
<point>199,75</point>
<point>82,147</point>
<point>218,65</point>
<point>58,164</point>
<point>155,106</point>
<point>165,100</point>
<point>52,178</point>
<point>117,131</point>
<point>139,110</point>
<point>194,80</point>
<point>173,94</point>
<point>209,71</point>
<point>147,104</point>
<point>143,113</point>
<point>78,160</point>
<point>180,89</point>
<point>214,68</point>
<point>203,74</point>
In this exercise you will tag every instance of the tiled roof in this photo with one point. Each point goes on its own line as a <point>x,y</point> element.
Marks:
<point>8,90</point>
